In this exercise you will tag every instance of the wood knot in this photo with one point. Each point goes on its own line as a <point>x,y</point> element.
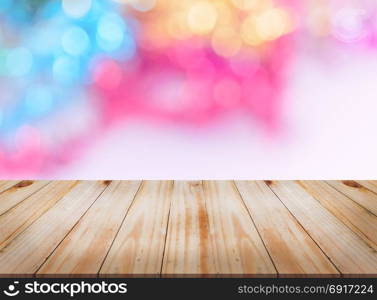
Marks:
<point>107,182</point>
<point>352,183</point>
<point>23,183</point>
<point>268,182</point>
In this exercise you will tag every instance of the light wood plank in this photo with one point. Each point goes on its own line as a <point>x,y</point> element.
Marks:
<point>26,253</point>
<point>188,249</point>
<point>291,248</point>
<point>84,249</point>
<point>138,248</point>
<point>6,184</point>
<point>237,246</point>
<point>346,249</point>
<point>355,216</point>
<point>357,193</point>
<point>369,184</point>
<point>18,192</point>
<point>18,218</point>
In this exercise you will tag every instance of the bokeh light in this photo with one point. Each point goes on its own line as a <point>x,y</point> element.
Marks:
<point>181,62</point>
<point>48,50</point>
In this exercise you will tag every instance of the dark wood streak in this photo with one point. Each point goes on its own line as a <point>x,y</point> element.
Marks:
<point>352,183</point>
<point>23,184</point>
<point>204,240</point>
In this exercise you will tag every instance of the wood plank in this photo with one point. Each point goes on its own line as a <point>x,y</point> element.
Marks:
<point>6,184</point>
<point>138,248</point>
<point>26,253</point>
<point>237,246</point>
<point>18,218</point>
<point>369,184</point>
<point>357,193</point>
<point>351,255</point>
<point>292,250</point>
<point>18,192</point>
<point>355,216</point>
<point>85,247</point>
<point>188,249</point>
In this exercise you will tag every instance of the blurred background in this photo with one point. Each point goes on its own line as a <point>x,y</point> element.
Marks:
<point>189,89</point>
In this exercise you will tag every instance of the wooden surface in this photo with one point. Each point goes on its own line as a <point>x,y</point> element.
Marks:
<point>188,228</point>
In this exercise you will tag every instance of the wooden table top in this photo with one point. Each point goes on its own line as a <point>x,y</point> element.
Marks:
<point>188,228</point>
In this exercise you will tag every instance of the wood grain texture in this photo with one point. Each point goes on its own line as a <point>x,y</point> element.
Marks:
<point>355,216</point>
<point>18,192</point>
<point>369,184</point>
<point>350,254</point>
<point>357,193</point>
<point>4,185</point>
<point>188,250</point>
<point>85,247</point>
<point>138,248</point>
<point>237,247</point>
<point>187,228</point>
<point>28,251</point>
<point>291,248</point>
<point>21,216</point>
